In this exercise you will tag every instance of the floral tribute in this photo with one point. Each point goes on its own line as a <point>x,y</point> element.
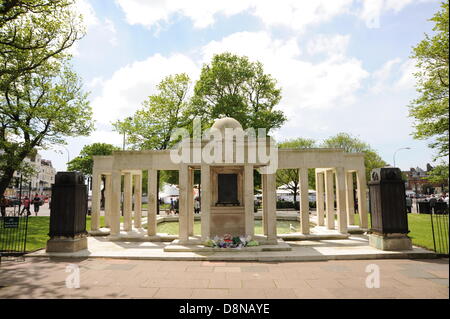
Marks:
<point>228,241</point>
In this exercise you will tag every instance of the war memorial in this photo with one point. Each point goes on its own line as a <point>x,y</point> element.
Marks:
<point>227,157</point>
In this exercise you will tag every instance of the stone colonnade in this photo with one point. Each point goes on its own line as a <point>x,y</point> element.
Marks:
<point>332,185</point>
<point>337,185</point>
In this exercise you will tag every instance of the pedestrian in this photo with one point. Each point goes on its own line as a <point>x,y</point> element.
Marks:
<point>36,204</point>
<point>26,206</point>
<point>197,206</point>
<point>172,206</point>
<point>3,204</point>
<point>408,204</point>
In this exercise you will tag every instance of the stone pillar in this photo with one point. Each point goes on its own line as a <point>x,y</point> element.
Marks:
<point>350,203</point>
<point>127,201</point>
<point>152,201</point>
<point>361,193</point>
<point>114,217</point>
<point>96,198</point>
<point>340,198</point>
<point>320,204</point>
<point>304,201</point>
<point>190,201</point>
<point>183,203</point>
<point>264,203</point>
<point>329,198</point>
<point>249,202</point>
<point>108,186</point>
<point>271,192</point>
<point>138,201</point>
<point>205,200</point>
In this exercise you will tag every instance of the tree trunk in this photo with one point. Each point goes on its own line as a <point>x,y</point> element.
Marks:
<point>6,179</point>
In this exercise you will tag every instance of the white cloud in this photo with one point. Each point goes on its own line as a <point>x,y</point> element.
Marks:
<point>84,8</point>
<point>291,13</point>
<point>371,10</point>
<point>124,92</point>
<point>382,77</point>
<point>331,82</point>
<point>294,14</point>
<point>334,45</point>
<point>394,75</point>
<point>407,79</point>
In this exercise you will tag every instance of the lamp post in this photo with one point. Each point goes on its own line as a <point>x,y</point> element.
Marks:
<point>402,148</point>
<point>124,132</point>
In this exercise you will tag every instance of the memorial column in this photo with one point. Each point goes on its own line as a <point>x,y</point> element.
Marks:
<point>127,201</point>
<point>152,201</point>
<point>329,192</point>
<point>320,204</point>
<point>304,202</point>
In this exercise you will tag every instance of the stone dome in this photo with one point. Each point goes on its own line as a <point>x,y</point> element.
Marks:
<point>226,122</point>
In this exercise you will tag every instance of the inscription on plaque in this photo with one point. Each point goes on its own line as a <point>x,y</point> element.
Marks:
<point>227,189</point>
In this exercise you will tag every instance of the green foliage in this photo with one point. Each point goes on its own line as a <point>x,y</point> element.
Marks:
<point>290,177</point>
<point>162,113</point>
<point>84,161</point>
<point>235,87</point>
<point>439,174</point>
<point>431,109</point>
<point>35,34</point>
<point>37,110</point>
<point>352,144</point>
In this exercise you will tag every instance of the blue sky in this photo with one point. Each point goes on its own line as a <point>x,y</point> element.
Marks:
<point>343,65</point>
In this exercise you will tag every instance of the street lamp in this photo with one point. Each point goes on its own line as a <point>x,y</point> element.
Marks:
<point>402,148</point>
<point>124,132</point>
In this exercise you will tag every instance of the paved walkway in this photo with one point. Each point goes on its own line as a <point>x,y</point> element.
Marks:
<point>112,278</point>
<point>356,247</point>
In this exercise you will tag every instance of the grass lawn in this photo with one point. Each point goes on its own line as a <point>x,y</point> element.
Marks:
<point>419,229</point>
<point>419,226</point>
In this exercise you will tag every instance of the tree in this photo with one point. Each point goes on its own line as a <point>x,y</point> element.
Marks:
<point>37,110</point>
<point>84,162</point>
<point>354,145</point>
<point>151,126</point>
<point>290,177</point>
<point>439,175</point>
<point>431,109</point>
<point>235,87</point>
<point>33,32</point>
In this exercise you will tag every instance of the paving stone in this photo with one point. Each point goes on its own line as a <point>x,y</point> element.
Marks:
<point>254,269</point>
<point>258,283</point>
<point>173,293</point>
<point>210,294</point>
<point>227,269</point>
<point>120,267</point>
<point>282,293</point>
<point>225,283</point>
<point>441,281</point>
<point>139,293</point>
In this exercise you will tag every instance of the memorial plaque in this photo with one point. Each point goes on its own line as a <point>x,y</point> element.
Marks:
<point>227,189</point>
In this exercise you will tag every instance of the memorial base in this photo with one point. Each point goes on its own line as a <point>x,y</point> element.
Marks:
<point>66,245</point>
<point>390,241</point>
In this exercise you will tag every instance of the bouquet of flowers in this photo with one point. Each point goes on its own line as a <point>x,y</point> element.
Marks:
<point>228,241</point>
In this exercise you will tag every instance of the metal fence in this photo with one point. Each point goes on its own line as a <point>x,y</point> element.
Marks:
<point>13,235</point>
<point>439,228</point>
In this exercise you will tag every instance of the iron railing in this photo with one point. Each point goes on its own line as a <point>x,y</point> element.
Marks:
<point>439,228</point>
<point>13,235</point>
